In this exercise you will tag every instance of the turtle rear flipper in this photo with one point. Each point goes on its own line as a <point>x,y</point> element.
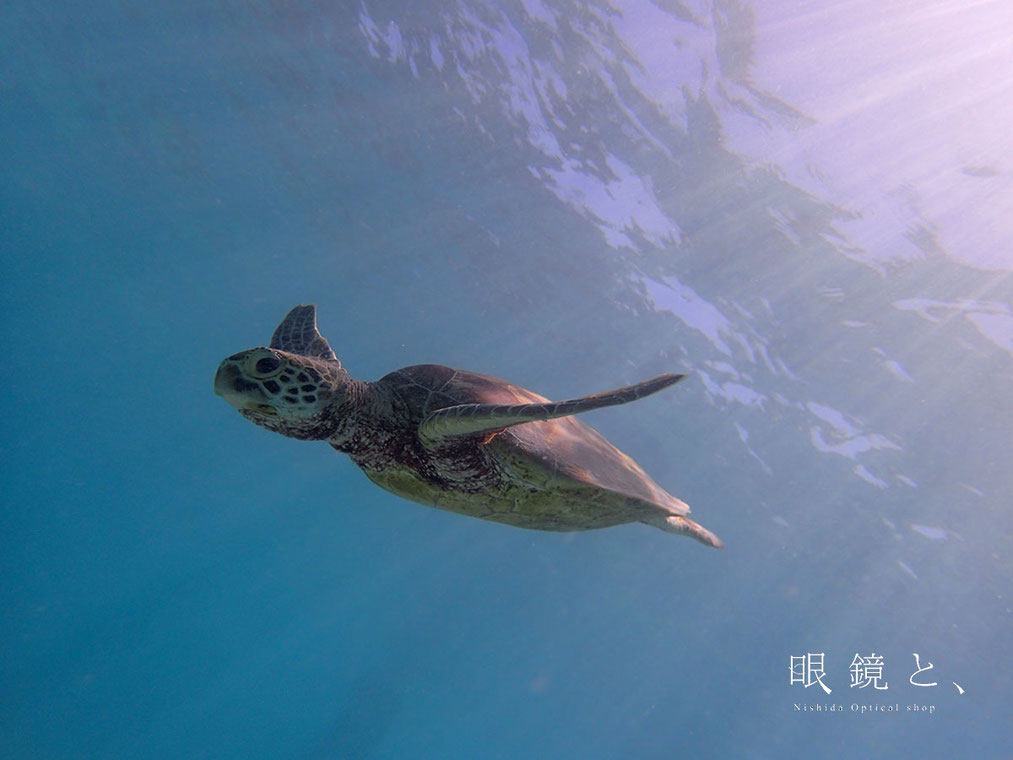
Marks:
<point>469,419</point>
<point>686,527</point>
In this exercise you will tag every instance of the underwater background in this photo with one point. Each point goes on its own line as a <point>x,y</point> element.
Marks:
<point>805,206</point>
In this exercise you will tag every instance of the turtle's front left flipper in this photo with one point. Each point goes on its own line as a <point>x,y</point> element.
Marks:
<point>469,419</point>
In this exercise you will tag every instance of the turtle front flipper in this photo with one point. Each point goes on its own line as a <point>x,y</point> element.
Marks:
<point>298,334</point>
<point>469,419</point>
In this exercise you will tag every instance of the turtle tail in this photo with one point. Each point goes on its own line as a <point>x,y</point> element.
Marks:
<point>686,527</point>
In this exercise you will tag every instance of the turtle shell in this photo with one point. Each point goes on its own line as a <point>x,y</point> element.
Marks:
<point>558,474</point>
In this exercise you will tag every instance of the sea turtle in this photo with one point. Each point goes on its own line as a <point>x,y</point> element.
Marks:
<point>452,439</point>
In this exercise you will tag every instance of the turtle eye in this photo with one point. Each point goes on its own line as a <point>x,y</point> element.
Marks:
<point>267,365</point>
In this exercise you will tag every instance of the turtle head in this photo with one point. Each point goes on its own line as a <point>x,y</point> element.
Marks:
<point>289,394</point>
<point>295,387</point>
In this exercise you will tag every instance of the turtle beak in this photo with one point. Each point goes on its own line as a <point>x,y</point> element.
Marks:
<point>225,380</point>
<point>238,391</point>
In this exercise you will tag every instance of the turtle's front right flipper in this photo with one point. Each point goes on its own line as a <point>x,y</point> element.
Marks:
<point>469,419</point>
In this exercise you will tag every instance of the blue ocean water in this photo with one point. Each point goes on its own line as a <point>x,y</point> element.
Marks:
<point>806,207</point>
